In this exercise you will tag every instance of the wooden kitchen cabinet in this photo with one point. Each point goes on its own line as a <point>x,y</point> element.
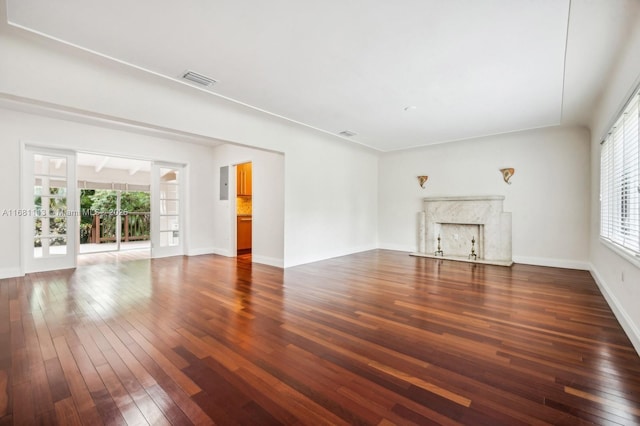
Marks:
<point>243,180</point>
<point>244,234</point>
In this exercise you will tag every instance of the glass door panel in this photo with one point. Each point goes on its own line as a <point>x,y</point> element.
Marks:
<point>166,223</point>
<point>49,201</point>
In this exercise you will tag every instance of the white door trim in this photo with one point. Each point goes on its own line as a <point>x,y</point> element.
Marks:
<point>29,262</point>
<point>159,247</point>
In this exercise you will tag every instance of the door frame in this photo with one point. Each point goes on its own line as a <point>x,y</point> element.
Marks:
<point>29,263</point>
<point>156,250</point>
<point>118,194</point>
<point>233,196</point>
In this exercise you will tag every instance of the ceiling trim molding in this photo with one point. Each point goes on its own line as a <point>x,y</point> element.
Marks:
<point>47,109</point>
<point>184,83</point>
<point>564,61</point>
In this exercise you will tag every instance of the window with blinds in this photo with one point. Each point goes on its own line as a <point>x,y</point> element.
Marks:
<point>619,184</point>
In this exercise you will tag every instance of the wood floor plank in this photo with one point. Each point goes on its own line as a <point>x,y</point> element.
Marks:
<point>106,406</point>
<point>129,383</point>
<point>43,402</point>
<point>23,405</point>
<point>430,387</point>
<point>44,337</point>
<point>158,340</point>
<point>4,393</point>
<point>89,336</point>
<point>168,407</point>
<point>172,371</point>
<point>375,338</point>
<point>123,400</point>
<point>82,398</point>
<point>66,413</point>
<point>613,405</point>
<point>126,362</point>
<point>57,382</point>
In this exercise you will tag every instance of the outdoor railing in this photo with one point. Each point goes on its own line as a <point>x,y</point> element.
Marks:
<point>136,226</point>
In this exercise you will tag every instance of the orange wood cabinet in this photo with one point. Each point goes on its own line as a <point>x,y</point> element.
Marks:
<point>243,179</point>
<point>244,233</point>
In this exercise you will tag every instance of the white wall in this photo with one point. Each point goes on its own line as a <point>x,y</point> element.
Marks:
<point>330,188</point>
<point>331,201</point>
<point>267,203</point>
<point>323,196</point>
<point>608,267</point>
<point>10,197</point>
<point>17,127</point>
<point>548,197</point>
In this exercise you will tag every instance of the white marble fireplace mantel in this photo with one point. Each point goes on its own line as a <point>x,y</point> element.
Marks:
<point>459,219</point>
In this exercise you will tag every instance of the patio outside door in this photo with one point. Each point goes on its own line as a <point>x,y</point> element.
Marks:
<point>49,212</point>
<point>167,204</point>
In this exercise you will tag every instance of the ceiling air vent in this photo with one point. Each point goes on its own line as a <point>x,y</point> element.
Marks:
<point>199,79</point>
<point>347,133</point>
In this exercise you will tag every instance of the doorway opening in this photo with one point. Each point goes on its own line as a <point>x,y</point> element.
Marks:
<point>244,209</point>
<point>114,220</point>
<point>99,207</point>
<point>115,204</point>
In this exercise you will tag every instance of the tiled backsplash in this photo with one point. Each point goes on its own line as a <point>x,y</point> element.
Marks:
<point>243,205</point>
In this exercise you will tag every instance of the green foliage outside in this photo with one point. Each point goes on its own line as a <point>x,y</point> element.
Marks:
<point>55,216</point>
<point>98,201</point>
<point>86,201</point>
<point>105,203</point>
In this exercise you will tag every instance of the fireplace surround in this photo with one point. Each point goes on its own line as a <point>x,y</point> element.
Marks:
<point>456,220</point>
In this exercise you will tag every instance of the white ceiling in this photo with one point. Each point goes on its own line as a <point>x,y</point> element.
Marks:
<point>469,67</point>
<point>103,162</point>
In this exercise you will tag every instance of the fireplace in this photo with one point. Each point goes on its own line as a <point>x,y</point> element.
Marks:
<point>456,237</point>
<point>459,220</point>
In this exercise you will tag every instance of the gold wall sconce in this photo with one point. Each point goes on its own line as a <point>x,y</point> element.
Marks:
<point>422,180</point>
<point>507,173</point>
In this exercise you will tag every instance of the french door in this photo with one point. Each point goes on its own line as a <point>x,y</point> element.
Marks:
<point>49,211</point>
<point>167,206</point>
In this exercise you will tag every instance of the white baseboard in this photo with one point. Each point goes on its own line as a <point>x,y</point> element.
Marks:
<point>11,273</point>
<point>330,255</point>
<point>629,327</point>
<point>397,247</point>
<point>201,251</point>
<point>265,260</point>
<point>554,263</point>
<point>222,252</point>
<point>539,261</point>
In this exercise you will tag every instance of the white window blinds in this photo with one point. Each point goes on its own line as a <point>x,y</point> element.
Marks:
<point>619,184</point>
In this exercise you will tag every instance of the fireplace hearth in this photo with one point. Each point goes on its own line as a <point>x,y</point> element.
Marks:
<point>458,221</point>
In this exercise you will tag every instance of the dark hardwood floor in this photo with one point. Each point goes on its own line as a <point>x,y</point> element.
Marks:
<point>373,338</point>
<point>113,256</point>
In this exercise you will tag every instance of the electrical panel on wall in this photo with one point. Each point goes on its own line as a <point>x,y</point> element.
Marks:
<point>224,183</point>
